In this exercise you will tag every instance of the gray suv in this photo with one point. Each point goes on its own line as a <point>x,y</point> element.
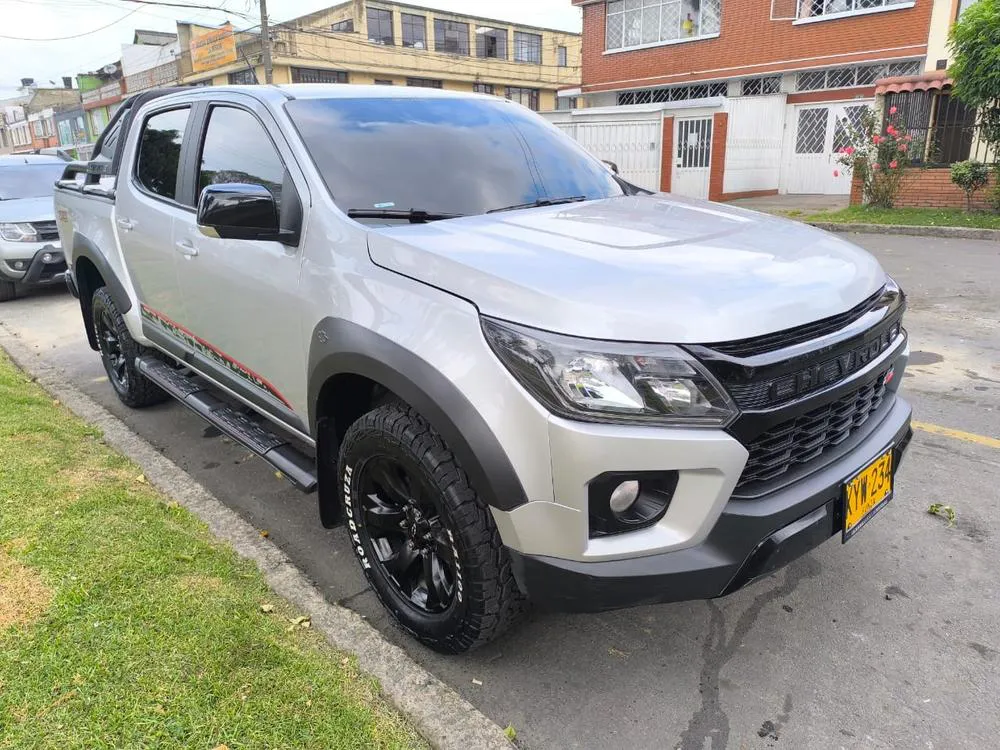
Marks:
<point>506,371</point>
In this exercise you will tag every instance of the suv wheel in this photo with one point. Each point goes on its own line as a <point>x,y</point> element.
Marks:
<point>119,352</point>
<point>425,541</point>
<point>7,290</point>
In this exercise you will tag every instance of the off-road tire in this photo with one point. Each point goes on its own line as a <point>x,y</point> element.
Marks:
<point>8,290</point>
<point>135,389</point>
<point>488,600</point>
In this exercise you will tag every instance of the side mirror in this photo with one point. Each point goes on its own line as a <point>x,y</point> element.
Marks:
<point>610,165</point>
<point>240,211</point>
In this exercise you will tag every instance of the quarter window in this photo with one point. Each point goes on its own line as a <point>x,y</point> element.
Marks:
<point>380,26</point>
<point>160,152</point>
<point>451,36</point>
<point>414,31</point>
<point>527,47</point>
<point>237,149</point>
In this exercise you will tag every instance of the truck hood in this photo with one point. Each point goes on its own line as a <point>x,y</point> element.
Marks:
<point>27,209</point>
<point>636,268</point>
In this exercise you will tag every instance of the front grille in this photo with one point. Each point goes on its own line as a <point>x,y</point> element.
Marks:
<point>46,230</point>
<point>790,336</point>
<point>804,438</point>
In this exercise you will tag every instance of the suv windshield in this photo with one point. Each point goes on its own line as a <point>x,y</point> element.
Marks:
<point>29,180</point>
<point>443,155</point>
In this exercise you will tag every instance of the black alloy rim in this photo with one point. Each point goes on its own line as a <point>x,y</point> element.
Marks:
<point>111,350</point>
<point>407,533</point>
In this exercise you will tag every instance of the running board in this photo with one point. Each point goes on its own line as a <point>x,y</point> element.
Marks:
<point>196,395</point>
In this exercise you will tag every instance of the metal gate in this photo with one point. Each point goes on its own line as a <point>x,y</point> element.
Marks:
<point>811,159</point>
<point>633,146</point>
<point>693,149</point>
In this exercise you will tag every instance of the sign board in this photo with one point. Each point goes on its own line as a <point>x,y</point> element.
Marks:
<point>213,49</point>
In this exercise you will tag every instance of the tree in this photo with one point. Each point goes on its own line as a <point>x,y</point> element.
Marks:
<point>975,44</point>
<point>970,176</point>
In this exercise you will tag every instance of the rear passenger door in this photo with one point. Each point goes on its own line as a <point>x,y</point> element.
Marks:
<point>243,294</point>
<point>150,197</point>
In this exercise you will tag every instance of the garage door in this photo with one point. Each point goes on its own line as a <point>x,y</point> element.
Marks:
<point>634,145</point>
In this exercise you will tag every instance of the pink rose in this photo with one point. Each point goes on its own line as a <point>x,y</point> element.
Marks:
<point>849,150</point>
<point>836,173</point>
<point>903,147</point>
<point>892,110</point>
<point>907,138</point>
<point>876,166</point>
<point>890,130</point>
<point>893,164</point>
<point>876,139</point>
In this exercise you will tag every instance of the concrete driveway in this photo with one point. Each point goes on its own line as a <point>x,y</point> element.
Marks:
<point>892,640</point>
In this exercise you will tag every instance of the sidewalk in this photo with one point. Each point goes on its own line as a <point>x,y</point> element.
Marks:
<point>807,204</point>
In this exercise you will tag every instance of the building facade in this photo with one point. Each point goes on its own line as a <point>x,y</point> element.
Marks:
<point>817,61</point>
<point>101,94</point>
<point>28,121</point>
<point>151,61</point>
<point>394,44</point>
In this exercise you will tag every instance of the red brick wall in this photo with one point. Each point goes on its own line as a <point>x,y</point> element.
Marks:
<point>667,154</point>
<point>717,165</point>
<point>750,43</point>
<point>928,188</point>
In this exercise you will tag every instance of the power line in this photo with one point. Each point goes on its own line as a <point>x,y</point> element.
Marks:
<point>74,36</point>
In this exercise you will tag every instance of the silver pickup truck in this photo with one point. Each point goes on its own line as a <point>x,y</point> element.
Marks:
<point>506,371</point>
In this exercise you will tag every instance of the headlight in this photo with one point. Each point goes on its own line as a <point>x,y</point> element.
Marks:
<point>18,233</point>
<point>610,381</point>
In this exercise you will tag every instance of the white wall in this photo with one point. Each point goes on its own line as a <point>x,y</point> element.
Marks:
<point>139,57</point>
<point>753,143</point>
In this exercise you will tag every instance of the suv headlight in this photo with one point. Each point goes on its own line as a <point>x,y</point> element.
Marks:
<point>18,233</point>
<point>602,381</point>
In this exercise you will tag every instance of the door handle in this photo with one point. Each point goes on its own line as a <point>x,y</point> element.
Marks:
<point>186,249</point>
<point>125,225</point>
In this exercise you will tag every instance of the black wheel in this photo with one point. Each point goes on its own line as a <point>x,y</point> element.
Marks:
<point>425,541</point>
<point>7,290</point>
<point>118,352</point>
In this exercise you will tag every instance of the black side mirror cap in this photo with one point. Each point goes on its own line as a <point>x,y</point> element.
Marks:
<point>241,211</point>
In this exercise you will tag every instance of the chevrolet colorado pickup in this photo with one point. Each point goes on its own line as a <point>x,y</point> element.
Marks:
<point>507,371</point>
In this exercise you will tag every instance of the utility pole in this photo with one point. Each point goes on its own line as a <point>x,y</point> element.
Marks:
<point>265,40</point>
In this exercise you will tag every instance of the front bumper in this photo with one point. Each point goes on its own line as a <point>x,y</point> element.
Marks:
<point>38,272</point>
<point>751,538</point>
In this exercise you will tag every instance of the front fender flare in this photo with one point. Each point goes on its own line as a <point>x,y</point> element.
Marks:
<point>341,347</point>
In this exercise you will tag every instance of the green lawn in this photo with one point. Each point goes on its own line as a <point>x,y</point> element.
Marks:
<point>124,624</point>
<point>922,217</point>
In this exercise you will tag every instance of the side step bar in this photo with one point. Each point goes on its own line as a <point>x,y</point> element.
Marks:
<point>255,436</point>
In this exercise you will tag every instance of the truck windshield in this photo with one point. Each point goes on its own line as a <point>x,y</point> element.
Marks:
<point>29,180</point>
<point>444,155</point>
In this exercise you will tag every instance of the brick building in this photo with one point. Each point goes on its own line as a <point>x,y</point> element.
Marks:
<point>701,62</point>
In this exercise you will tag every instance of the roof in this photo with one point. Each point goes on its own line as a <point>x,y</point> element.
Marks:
<point>933,80</point>
<point>22,159</point>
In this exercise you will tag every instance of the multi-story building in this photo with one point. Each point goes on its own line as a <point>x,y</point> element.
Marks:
<point>150,61</point>
<point>28,120</point>
<point>393,44</point>
<point>101,93</point>
<point>819,60</point>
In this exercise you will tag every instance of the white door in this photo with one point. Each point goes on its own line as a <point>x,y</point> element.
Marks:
<point>819,132</point>
<point>633,146</point>
<point>693,156</point>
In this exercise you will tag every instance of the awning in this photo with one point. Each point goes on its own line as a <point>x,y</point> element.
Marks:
<point>934,80</point>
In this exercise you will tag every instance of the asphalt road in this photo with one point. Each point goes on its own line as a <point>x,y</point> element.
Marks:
<point>892,640</point>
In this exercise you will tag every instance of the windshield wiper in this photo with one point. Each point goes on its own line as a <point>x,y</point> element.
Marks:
<point>413,215</point>
<point>540,202</point>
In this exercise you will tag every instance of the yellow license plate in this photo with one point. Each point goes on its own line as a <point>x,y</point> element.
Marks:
<point>866,493</point>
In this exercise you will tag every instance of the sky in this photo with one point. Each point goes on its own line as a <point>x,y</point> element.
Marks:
<point>100,27</point>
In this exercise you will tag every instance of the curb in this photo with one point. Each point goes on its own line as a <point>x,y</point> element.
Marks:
<point>957,233</point>
<point>445,719</point>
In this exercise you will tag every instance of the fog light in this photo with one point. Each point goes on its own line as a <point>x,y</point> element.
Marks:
<point>623,496</point>
<point>19,265</point>
<point>47,258</point>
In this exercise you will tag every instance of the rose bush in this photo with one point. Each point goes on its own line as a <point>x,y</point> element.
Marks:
<point>878,159</point>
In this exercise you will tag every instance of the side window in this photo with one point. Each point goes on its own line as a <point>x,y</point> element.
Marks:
<point>160,151</point>
<point>237,149</point>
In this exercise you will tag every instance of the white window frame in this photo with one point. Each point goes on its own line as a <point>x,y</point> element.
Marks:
<point>884,6</point>
<point>620,8</point>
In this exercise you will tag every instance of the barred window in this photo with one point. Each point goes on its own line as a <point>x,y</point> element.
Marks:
<point>380,26</point>
<point>632,23</point>
<point>811,8</point>
<point>451,36</point>
<point>424,83</point>
<point>760,86</point>
<point>242,77</point>
<point>527,47</point>
<point>414,31</point>
<point>673,94</point>
<point>527,97</point>
<point>318,75</point>
<point>483,88</point>
<point>862,75</point>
